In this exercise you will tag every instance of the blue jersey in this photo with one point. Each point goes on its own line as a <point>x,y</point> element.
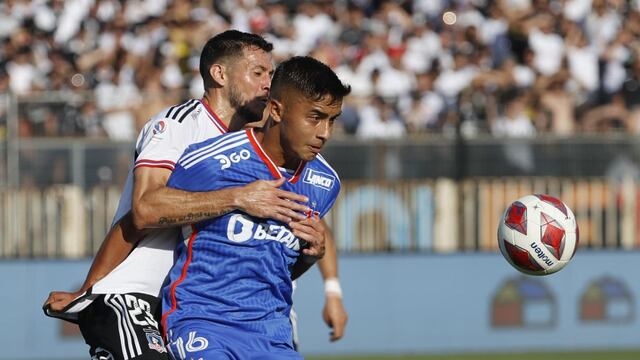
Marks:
<point>234,270</point>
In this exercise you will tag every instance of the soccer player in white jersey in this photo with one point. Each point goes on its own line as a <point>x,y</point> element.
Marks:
<point>117,306</point>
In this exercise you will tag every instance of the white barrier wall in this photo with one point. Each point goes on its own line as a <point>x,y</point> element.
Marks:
<point>397,304</point>
<point>476,303</point>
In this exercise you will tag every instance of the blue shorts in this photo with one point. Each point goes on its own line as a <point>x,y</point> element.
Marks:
<point>204,340</point>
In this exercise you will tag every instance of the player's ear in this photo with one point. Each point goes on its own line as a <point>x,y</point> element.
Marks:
<point>217,73</point>
<point>275,110</point>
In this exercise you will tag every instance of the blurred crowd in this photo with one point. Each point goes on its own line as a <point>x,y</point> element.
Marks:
<point>513,68</point>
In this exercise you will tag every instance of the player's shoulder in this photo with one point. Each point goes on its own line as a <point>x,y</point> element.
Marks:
<point>321,174</point>
<point>322,164</point>
<point>160,125</point>
<point>220,143</point>
<point>175,115</point>
<point>213,148</point>
<point>179,112</point>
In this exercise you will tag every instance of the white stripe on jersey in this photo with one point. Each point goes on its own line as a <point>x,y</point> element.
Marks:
<point>223,146</point>
<point>226,140</point>
<point>129,323</point>
<point>155,163</point>
<point>130,334</point>
<point>120,326</point>
<point>322,160</point>
<point>215,152</point>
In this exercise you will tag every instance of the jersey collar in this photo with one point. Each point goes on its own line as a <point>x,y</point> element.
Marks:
<point>214,118</point>
<point>273,169</point>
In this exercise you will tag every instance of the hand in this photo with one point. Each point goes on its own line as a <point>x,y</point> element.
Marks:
<point>335,316</point>
<point>312,231</point>
<point>58,300</point>
<point>263,199</point>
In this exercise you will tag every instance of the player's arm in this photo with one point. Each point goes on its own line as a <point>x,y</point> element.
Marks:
<point>117,245</point>
<point>334,313</point>
<point>156,206</point>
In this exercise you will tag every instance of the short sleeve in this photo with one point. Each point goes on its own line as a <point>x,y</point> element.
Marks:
<point>163,142</point>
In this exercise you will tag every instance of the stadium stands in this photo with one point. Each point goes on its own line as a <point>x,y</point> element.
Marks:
<point>509,68</point>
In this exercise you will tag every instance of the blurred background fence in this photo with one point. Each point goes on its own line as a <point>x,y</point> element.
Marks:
<point>440,216</point>
<point>420,194</point>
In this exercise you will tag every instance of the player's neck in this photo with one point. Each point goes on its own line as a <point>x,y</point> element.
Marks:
<point>271,143</point>
<point>233,119</point>
<point>222,108</point>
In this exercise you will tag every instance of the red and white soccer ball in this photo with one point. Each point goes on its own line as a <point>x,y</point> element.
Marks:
<point>538,234</point>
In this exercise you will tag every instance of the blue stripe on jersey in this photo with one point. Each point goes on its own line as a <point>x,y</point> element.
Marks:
<point>235,271</point>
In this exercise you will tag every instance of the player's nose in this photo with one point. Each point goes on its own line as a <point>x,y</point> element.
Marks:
<point>266,85</point>
<point>324,131</point>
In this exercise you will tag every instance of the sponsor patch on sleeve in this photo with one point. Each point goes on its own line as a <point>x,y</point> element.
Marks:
<point>319,179</point>
<point>159,127</point>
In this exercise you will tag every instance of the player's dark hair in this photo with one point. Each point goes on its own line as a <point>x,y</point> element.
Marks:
<point>308,76</point>
<point>226,45</point>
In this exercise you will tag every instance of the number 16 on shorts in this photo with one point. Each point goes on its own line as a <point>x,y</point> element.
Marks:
<point>192,345</point>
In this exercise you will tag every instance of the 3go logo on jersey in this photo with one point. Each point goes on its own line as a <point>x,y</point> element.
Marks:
<point>233,158</point>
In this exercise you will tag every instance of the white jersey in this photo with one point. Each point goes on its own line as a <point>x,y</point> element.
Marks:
<point>160,144</point>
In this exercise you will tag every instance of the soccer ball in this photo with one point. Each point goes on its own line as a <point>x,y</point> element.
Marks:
<point>538,234</point>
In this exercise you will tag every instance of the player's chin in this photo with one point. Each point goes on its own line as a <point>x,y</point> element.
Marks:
<point>308,155</point>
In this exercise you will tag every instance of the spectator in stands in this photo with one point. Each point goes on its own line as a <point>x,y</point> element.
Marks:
<point>379,120</point>
<point>88,46</point>
<point>514,121</point>
<point>426,106</point>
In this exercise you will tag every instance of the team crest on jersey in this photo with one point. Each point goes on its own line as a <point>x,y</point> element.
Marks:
<point>155,340</point>
<point>310,213</point>
<point>319,179</point>
<point>159,127</point>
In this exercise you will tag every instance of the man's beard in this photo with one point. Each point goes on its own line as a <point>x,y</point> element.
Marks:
<point>246,110</point>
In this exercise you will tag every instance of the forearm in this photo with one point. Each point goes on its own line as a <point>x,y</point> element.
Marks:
<point>117,245</point>
<point>167,207</point>
<point>329,263</point>
<point>329,267</point>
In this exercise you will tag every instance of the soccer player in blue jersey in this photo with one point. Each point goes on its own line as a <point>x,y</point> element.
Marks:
<point>229,291</point>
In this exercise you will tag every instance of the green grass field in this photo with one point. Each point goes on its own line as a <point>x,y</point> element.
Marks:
<point>614,355</point>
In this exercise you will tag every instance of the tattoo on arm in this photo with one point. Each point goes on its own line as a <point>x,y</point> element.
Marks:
<point>189,218</point>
